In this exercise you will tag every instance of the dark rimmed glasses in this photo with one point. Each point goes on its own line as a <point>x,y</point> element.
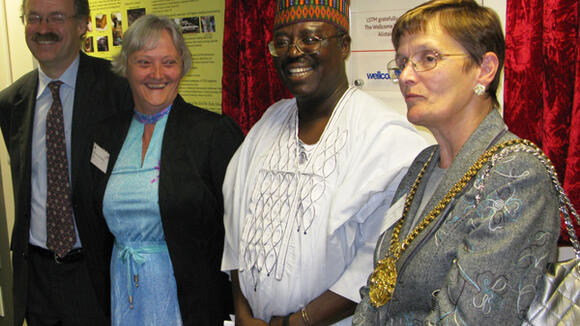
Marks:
<point>306,45</point>
<point>57,18</point>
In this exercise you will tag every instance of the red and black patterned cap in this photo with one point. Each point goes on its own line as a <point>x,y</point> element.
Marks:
<point>294,11</point>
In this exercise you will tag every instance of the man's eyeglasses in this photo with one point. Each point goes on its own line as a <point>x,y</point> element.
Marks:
<point>306,45</point>
<point>421,61</point>
<point>52,19</point>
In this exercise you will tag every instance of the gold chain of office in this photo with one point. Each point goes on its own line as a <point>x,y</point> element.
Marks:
<point>384,278</point>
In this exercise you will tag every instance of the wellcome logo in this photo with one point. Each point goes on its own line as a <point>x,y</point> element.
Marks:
<point>378,75</point>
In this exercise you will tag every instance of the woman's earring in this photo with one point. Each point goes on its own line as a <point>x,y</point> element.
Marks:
<point>479,89</point>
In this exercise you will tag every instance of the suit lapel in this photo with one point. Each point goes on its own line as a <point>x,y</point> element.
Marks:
<point>111,140</point>
<point>22,125</point>
<point>23,115</point>
<point>81,109</point>
<point>172,150</point>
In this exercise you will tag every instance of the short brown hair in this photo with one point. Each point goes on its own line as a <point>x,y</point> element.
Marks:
<point>476,28</point>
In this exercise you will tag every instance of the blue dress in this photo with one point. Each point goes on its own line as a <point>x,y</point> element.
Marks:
<point>143,288</point>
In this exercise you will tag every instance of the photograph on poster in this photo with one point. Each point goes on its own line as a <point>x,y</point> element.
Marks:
<point>103,44</point>
<point>88,45</point>
<point>207,24</point>
<point>101,22</point>
<point>117,28</point>
<point>188,25</point>
<point>133,14</point>
<point>202,24</point>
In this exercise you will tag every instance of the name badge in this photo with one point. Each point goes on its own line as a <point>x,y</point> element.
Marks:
<point>100,158</point>
<point>393,214</point>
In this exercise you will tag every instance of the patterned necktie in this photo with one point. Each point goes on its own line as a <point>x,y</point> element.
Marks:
<point>60,229</point>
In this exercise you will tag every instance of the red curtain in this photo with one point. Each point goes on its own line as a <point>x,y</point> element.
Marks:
<point>250,84</point>
<point>542,83</point>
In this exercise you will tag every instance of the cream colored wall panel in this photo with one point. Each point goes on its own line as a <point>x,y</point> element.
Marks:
<point>20,57</point>
<point>5,68</point>
<point>5,80</point>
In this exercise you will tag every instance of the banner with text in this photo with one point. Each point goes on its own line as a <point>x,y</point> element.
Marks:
<point>371,24</point>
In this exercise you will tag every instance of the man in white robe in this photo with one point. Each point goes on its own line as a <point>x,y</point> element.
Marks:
<point>306,192</point>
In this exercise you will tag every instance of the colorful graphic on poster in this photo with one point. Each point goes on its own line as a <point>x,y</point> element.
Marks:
<point>202,25</point>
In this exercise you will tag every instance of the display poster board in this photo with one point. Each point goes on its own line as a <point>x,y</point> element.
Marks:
<point>371,24</point>
<point>202,24</point>
<point>371,49</point>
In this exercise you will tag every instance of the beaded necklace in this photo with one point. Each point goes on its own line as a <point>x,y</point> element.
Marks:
<point>150,119</point>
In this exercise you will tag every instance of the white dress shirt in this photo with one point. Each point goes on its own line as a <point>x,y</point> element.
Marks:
<point>38,172</point>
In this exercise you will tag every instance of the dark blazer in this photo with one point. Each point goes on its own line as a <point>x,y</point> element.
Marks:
<point>196,149</point>
<point>98,94</point>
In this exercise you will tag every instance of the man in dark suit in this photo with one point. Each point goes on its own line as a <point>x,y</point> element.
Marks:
<point>68,285</point>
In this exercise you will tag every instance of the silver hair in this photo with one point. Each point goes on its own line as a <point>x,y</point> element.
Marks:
<point>145,32</point>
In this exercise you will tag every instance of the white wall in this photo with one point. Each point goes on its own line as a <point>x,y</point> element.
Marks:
<point>500,7</point>
<point>15,59</point>
<point>5,70</point>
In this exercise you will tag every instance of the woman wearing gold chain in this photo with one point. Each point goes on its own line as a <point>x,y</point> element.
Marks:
<point>478,214</point>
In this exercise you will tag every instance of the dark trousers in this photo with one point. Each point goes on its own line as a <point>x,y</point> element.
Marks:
<point>61,294</point>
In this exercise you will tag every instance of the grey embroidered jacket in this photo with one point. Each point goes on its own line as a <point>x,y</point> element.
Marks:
<point>479,262</point>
